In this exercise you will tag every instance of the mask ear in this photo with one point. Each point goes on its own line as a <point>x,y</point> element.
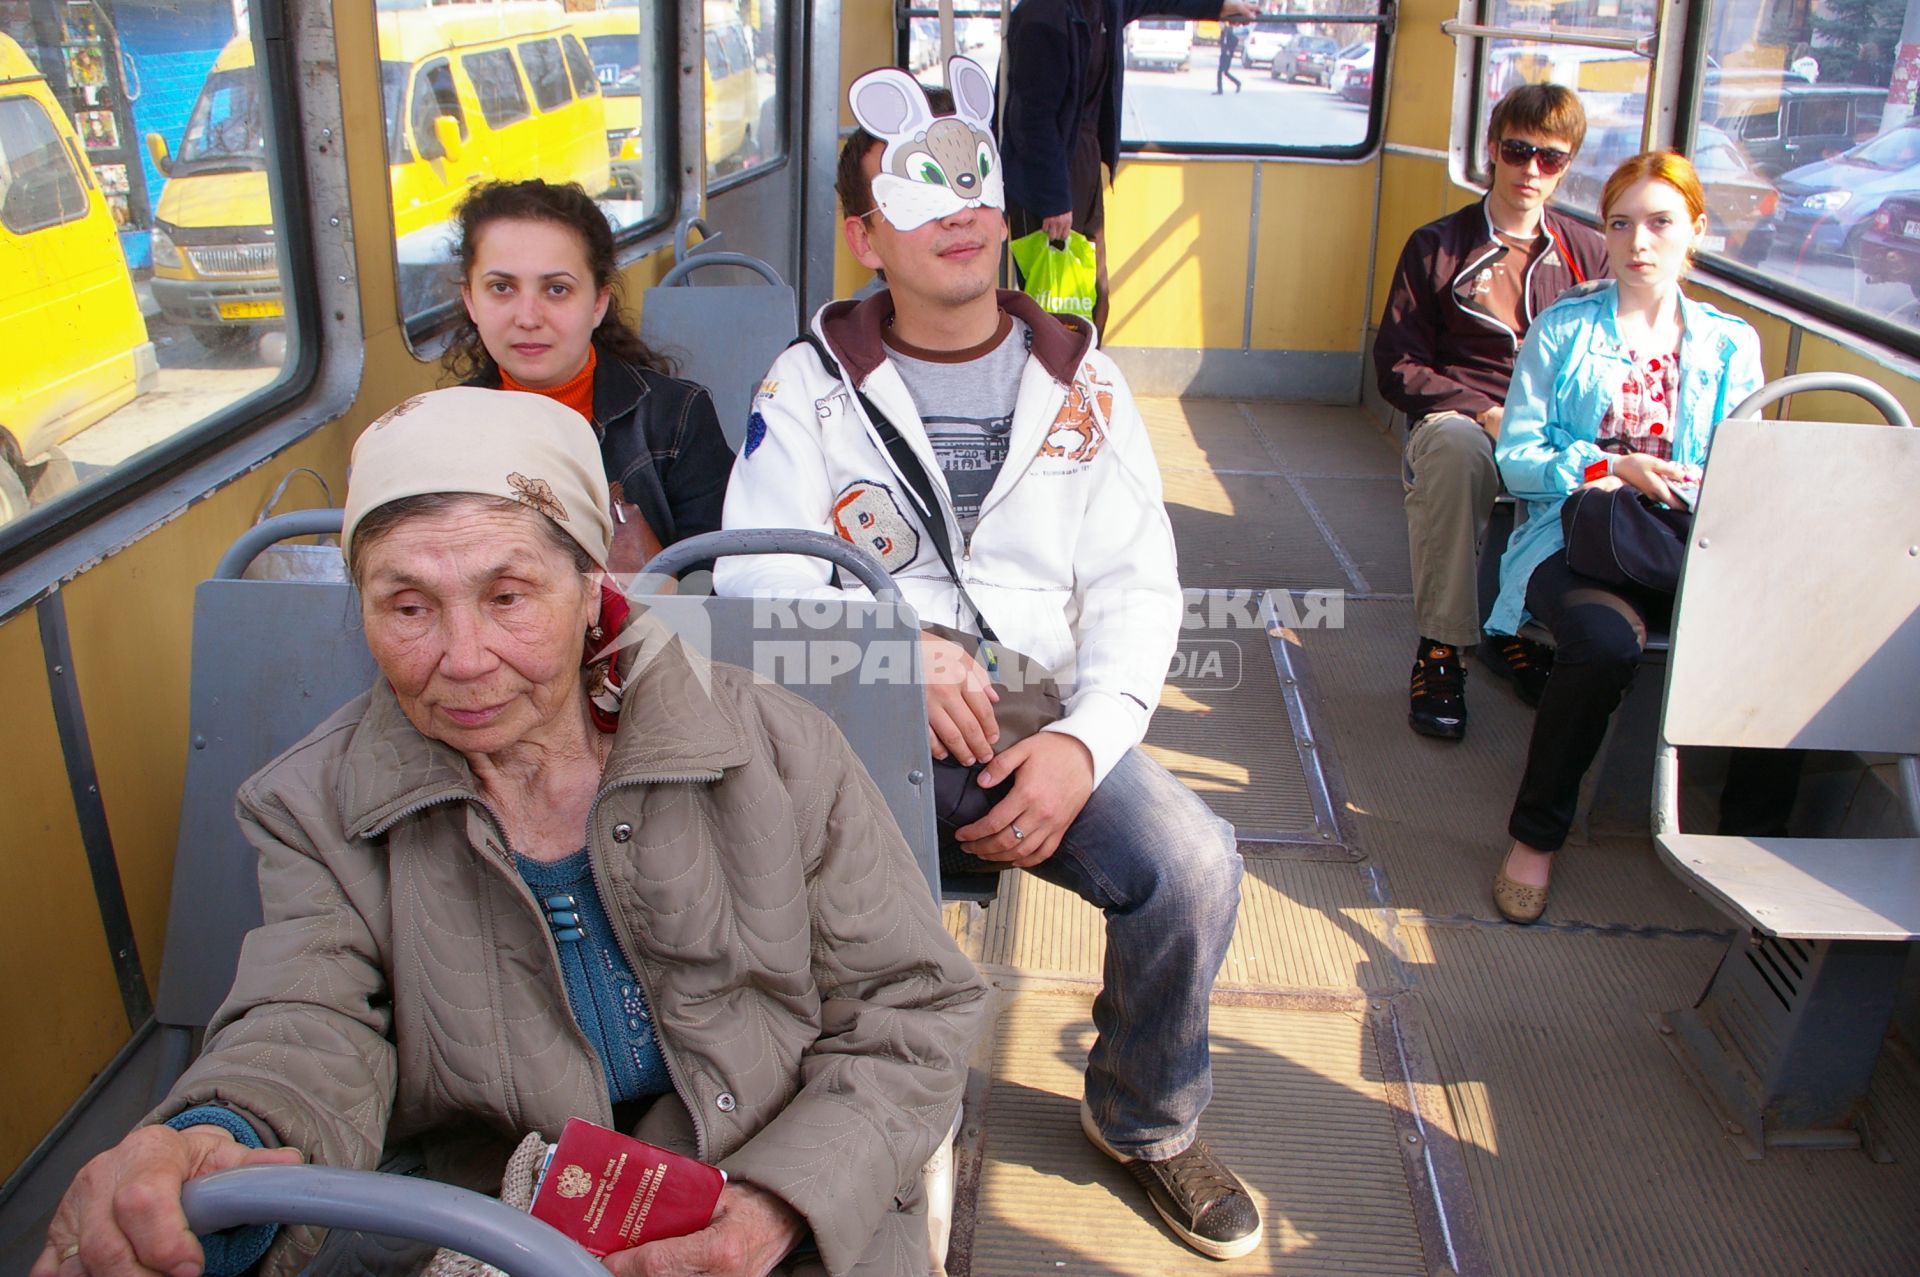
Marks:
<point>891,105</point>
<point>972,92</point>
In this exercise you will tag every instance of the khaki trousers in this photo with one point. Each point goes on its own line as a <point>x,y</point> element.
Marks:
<point>1451,482</point>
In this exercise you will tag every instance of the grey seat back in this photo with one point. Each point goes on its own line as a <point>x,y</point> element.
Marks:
<point>1797,623</point>
<point>271,659</point>
<point>722,336</point>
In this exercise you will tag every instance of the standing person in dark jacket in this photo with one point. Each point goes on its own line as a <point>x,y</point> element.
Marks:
<point>1060,119</point>
<point>1465,291</point>
<point>537,274</point>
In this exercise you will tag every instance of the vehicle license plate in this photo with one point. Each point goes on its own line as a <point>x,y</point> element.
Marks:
<point>1911,230</point>
<point>1714,243</point>
<point>250,310</point>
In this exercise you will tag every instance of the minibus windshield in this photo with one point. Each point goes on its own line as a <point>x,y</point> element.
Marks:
<point>224,134</point>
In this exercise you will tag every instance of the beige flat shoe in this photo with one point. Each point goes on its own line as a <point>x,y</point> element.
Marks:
<point>1516,901</point>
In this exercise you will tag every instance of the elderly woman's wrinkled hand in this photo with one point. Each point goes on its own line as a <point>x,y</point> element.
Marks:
<point>121,1216</point>
<point>752,1230</point>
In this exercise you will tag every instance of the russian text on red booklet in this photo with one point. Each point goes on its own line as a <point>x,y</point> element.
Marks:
<point>611,1192</point>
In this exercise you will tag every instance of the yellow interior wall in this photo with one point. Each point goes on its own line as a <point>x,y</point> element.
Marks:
<point>1413,191</point>
<point>1177,254</point>
<point>1309,276</point>
<point>866,42</point>
<point>61,998</point>
<point>1421,83</point>
<point>1818,354</point>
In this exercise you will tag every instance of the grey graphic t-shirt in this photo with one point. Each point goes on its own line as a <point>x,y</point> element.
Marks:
<point>966,399</point>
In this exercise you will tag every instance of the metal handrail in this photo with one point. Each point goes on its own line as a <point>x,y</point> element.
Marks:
<point>677,557</point>
<point>1806,383</point>
<point>281,527</point>
<point>1578,37</point>
<point>389,1206</point>
<point>687,265</point>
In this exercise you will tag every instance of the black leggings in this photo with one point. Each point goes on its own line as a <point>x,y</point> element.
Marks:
<point>1599,633</point>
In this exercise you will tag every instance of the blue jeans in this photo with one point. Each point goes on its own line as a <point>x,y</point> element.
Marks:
<point>1166,872</point>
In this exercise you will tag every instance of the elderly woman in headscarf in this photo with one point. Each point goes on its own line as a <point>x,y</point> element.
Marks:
<point>554,866</point>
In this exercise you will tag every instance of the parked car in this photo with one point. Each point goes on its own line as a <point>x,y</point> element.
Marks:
<point>1262,42</point>
<point>1890,248</point>
<point>1789,122</point>
<point>1827,207</point>
<point>1306,57</point>
<point>1358,55</point>
<point>1358,86</point>
<point>1159,42</point>
<point>1741,204</point>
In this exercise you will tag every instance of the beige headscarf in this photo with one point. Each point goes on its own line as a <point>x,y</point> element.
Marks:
<point>497,443</point>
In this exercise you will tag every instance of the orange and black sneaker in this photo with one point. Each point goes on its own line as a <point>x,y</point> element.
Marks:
<point>1520,661</point>
<point>1439,688</point>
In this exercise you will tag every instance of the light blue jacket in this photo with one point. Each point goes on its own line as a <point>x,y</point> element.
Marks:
<point>1564,380</point>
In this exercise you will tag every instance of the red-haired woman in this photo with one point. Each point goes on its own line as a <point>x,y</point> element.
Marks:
<point>1620,383</point>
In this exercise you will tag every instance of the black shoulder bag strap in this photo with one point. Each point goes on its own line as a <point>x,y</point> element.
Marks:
<point>908,463</point>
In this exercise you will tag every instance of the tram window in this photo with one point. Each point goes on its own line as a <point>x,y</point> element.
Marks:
<point>149,301</point>
<point>744,87</point>
<point>546,72</point>
<point>596,107</point>
<point>1814,109</point>
<point>976,33</point>
<point>497,84</point>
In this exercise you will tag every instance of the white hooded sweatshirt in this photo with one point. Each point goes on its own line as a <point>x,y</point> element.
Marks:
<point>1072,558</point>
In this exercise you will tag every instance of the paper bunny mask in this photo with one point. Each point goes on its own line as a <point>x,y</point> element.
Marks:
<point>931,167</point>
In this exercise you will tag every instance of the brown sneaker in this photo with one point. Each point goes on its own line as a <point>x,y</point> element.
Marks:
<point>1202,1201</point>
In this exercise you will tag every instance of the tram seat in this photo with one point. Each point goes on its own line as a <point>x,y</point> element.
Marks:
<point>1798,629</point>
<point>723,336</point>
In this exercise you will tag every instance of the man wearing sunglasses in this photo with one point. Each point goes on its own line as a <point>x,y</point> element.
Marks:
<point>1465,290</point>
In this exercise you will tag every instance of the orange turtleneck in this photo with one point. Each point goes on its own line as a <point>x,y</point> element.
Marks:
<point>576,394</point>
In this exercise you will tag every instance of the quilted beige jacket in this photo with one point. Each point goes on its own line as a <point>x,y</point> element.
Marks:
<point>404,990</point>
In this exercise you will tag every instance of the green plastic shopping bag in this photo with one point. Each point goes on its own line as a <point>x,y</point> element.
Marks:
<point>1060,279</point>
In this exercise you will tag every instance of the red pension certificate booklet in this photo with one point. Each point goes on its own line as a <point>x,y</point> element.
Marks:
<point>610,1192</point>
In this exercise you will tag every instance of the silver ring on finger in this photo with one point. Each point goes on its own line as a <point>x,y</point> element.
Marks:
<point>1019,833</point>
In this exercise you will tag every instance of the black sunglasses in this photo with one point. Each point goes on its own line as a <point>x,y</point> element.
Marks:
<point>1551,160</point>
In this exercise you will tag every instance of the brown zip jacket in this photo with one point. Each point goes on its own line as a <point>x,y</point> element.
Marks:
<point>404,991</point>
<point>1439,351</point>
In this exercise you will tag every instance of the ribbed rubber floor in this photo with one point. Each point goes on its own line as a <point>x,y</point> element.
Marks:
<point>1436,811</point>
<point>1304,925</point>
<point>1588,1151</point>
<point>1222,728</point>
<point>1298,1113</point>
<point>1248,530</point>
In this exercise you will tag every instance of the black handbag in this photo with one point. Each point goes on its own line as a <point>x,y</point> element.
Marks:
<point>1029,697</point>
<point>1622,537</point>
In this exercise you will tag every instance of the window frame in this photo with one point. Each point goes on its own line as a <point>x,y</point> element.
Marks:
<point>782,125</point>
<point>50,544</point>
<point>1382,20</point>
<point>1681,127</point>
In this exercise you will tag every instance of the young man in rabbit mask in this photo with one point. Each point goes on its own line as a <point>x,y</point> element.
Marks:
<point>995,463</point>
